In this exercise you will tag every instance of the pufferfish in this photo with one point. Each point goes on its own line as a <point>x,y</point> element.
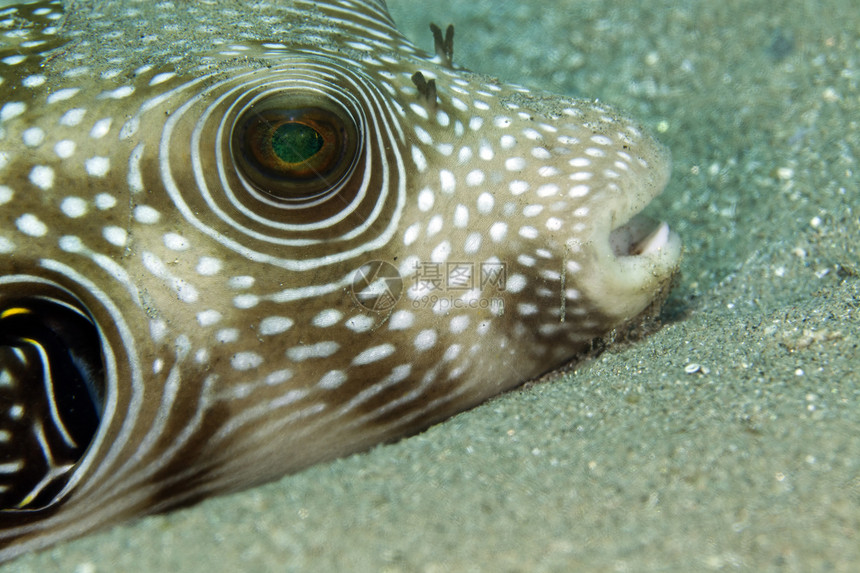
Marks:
<point>237,239</point>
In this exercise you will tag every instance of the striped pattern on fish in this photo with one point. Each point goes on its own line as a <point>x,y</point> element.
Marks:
<point>239,240</point>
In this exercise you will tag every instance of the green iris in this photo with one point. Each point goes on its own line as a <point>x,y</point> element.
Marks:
<point>296,142</point>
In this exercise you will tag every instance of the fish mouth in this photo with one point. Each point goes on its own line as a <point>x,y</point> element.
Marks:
<point>633,259</point>
<point>641,236</point>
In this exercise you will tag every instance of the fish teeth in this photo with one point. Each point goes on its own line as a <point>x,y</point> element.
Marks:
<point>653,243</point>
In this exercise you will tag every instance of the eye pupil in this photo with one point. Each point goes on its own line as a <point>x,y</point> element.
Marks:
<point>296,142</point>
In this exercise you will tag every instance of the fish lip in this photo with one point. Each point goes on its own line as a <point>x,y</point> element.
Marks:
<point>632,257</point>
<point>633,235</point>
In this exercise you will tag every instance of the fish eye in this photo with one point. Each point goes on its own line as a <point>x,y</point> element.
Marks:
<point>292,150</point>
<point>53,378</point>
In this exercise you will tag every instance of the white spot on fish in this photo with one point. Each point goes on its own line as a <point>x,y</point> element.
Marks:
<point>485,203</point>
<point>97,166</point>
<point>498,231</point>
<point>118,93</point>
<point>42,177</point>
<point>332,379</point>
<point>360,323</point>
<point>208,266</point>
<point>461,216</point>
<point>373,354</point>
<point>62,95</point>
<point>475,178</point>
<point>244,301</point>
<point>309,351</point>
<point>116,236</point>
<point>12,109</point>
<point>161,78</point>
<point>425,340</point>
<point>73,117</point>
<point>146,215</point>
<point>401,320</point>
<point>33,137</point>
<point>73,207</point>
<point>241,282</point>
<point>272,325</point>
<point>327,318</point>
<point>101,128</point>
<point>246,361</point>
<point>176,242</point>
<point>425,199</point>
<point>208,317</point>
<point>65,148</point>
<point>31,225</point>
<point>33,81</point>
<point>104,201</point>
<point>447,181</point>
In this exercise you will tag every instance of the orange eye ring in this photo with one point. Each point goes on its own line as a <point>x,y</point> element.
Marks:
<point>294,152</point>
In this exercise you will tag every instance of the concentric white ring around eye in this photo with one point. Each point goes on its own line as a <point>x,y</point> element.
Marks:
<point>272,232</point>
<point>225,162</point>
<point>105,452</point>
<point>302,82</point>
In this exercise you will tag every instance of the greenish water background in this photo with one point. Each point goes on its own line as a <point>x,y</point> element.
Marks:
<point>629,463</point>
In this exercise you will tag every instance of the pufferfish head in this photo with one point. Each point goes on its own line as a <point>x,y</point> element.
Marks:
<point>225,258</point>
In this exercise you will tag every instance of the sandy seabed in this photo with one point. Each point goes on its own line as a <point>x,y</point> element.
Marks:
<point>728,440</point>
